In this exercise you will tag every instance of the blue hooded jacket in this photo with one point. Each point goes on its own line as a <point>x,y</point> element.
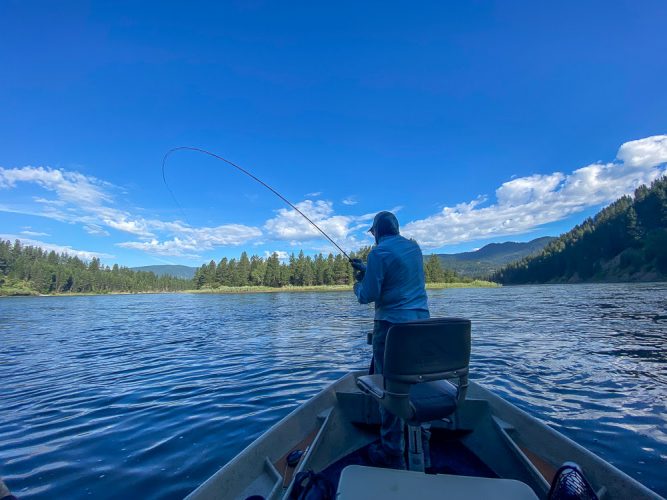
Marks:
<point>394,277</point>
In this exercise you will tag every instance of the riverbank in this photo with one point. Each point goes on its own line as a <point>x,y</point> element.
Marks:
<point>26,292</point>
<point>333,288</point>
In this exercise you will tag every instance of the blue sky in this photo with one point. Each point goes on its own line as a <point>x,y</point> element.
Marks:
<point>476,121</point>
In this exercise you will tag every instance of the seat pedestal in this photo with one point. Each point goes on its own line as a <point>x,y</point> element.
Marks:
<point>415,449</point>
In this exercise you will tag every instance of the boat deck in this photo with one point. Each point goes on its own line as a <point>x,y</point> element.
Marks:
<point>448,456</point>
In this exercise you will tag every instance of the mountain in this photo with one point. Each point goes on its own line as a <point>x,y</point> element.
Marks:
<point>492,257</point>
<point>626,241</point>
<point>184,272</point>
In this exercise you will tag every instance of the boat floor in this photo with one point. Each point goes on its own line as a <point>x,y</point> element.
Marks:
<point>448,456</point>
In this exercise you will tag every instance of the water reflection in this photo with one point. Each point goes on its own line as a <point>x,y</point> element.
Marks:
<point>112,395</point>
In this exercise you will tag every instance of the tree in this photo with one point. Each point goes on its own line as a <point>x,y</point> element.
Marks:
<point>433,272</point>
<point>272,273</point>
<point>257,270</point>
<point>243,270</point>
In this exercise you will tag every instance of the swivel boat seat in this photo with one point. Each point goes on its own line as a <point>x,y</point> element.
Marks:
<point>419,360</point>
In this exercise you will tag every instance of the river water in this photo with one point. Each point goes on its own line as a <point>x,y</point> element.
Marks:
<point>145,396</point>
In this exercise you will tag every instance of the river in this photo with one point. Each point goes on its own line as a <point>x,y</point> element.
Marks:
<point>145,396</point>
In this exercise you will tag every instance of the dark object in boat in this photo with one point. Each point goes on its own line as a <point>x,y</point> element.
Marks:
<point>294,457</point>
<point>311,486</point>
<point>570,484</point>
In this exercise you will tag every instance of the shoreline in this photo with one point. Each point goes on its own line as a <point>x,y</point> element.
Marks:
<point>253,289</point>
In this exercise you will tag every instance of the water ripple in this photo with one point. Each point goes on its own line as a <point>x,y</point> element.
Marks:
<point>111,396</point>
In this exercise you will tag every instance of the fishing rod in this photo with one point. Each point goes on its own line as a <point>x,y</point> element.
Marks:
<point>218,157</point>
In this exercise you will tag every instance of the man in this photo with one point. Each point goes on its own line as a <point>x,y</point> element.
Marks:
<point>393,279</point>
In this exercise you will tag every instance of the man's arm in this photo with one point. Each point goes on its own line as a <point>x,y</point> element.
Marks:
<point>368,290</point>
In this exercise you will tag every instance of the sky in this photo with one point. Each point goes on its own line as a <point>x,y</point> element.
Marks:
<point>476,122</point>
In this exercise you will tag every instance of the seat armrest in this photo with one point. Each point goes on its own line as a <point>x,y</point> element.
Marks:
<point>372,384</point>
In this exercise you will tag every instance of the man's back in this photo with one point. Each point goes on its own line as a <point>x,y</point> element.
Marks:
<point>394,280</point>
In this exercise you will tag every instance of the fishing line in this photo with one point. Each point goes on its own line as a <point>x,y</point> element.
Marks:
<point>190,148</point>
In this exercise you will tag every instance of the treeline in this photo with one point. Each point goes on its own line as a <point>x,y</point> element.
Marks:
<point>32,269</point>
<point>625,241</point>
<point>29,269</point>
<point>299,270</point>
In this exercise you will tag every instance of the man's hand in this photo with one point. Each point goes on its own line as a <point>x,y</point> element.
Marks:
<point>358,265</point>
<point>360,269</point>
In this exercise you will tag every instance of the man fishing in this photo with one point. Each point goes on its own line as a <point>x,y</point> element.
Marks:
<point>393,279</point>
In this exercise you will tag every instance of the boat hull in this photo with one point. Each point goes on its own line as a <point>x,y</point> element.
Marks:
<point>341,420</point>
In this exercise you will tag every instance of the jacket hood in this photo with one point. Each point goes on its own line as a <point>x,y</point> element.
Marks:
<point>384,224</point>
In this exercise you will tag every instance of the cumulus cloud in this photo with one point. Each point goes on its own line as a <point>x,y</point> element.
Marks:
<point>193,241</point>
<point>350,200</point>
<point>88,201</point>
<point>82,254</point>
<point>525,203</point>
<point>78,198</point>
<point>289,225</point>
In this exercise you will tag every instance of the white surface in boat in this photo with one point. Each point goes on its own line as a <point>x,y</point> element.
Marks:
<point>363,483</point>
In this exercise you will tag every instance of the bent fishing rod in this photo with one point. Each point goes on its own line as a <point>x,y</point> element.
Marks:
<point>218,157</point>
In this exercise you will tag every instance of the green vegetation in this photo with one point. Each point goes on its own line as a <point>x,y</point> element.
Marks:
<point>28,270</point>
<point>300,271</point>
<point>626,241</point>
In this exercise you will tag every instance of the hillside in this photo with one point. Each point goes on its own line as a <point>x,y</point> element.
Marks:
<point>492,257</point>
<point>626,241</point>
<point>29,270</point>
<point>184,272</point>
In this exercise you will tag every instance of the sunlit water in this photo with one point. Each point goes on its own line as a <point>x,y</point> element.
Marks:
<point>146,396</point>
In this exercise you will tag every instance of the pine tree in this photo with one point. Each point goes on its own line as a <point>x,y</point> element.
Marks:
<point>243,270</point>
<point>272,276</point>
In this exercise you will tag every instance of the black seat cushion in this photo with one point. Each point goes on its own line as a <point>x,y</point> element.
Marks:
<point>433,400</point>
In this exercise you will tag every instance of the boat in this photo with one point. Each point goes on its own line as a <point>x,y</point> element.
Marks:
<point>486,447</point>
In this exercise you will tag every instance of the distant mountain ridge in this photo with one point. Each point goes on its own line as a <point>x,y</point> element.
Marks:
<point>492,257</point>
<point>184,272</point>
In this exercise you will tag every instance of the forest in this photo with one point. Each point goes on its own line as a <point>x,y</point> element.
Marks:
<point>26,270</point>
<point>626,241</point>
<point>301,270</point>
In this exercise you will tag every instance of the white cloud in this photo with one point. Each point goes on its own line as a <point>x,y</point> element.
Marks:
<point>282,255</point>
<point>82,254</point>
<point>314,194</point>
<point>175,247</point>
<point>525,203</point>
<point>291,226</point>
<point>70,187</point>
<point>192,242</point>
<point>85,200</point>
<point>520,205</point>
<point>28,232</point>
<point>644,153</point>
<point>95,229</point>
<point>78,198</point>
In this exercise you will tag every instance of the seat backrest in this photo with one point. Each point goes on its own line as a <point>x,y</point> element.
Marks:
<point>426,350</point>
